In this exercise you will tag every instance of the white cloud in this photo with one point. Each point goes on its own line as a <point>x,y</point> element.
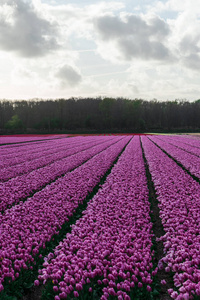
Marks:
<point>133,37</point>
<point>21,75</point>
<point>164,82</point>
<point>176,5</point>
<point>185,39</point>
<point>24,31</point>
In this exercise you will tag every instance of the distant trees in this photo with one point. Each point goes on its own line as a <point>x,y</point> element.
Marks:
<point>14,123</point>
<point>99,115</point>
<point>106,107</point>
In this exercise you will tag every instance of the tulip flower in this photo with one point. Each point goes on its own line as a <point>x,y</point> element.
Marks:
<point>178,197</point>
<point>115,233</point>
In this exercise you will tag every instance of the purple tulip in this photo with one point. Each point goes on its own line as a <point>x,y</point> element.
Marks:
<point>113,238</point>
<point>26,227</point>
<point>178,196</point>
<point>20,187</point>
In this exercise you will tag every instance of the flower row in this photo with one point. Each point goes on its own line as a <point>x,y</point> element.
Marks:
<point>178,196</point>
<point>181,144</point>
<point>28,166</point>
<point>187,139</point>
<point>25,228</point>
<point>21,187</point>
<point>189,161</point>
<point>28,152</point>
<point>22,139</point>
<point>110,246</point>
<point>13,148</point>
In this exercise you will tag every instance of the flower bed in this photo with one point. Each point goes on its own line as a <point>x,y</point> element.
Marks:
<point>26,138</point>
<point>26,153</point>
<point>186,139</point>
<point>189,161</point>
<point>21,187</point>
<point>43,160</point>
<point>193,148</point>
<point>27,227</point>
<point>109,249</point>
<point>178,196</point>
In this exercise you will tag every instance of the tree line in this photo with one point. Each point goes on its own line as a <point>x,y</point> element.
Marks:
<point>98,115</point>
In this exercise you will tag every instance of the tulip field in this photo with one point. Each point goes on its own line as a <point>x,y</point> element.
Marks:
<point>100,217</point>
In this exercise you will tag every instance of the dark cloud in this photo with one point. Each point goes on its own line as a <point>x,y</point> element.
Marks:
<point>192,61</point>
<point>68,76</point>
<point>28,34</point>
<point>135,37</point>
<point>141,48</point>
<point>189,44</point>
<point>190,50</point>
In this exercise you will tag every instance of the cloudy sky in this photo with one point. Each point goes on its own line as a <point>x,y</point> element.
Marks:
<point>134,48</point>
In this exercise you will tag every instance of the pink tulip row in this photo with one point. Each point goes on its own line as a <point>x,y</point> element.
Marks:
<point>22,139</point>
<point>28,153</point>
<point>24,156</point>
<point>194,136</point>
<point>178,196</point>
<point>26,227</point>
<point>181,144</point>
<point>20,187</point>
<point>17,150</point>
<point>13,149</point>
<point>29,166</point>
<point>186,139</point>
<point>189,161</point>
<point>111,244</point>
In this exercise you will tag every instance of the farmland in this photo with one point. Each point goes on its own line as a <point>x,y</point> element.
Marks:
<point>100,217</point>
